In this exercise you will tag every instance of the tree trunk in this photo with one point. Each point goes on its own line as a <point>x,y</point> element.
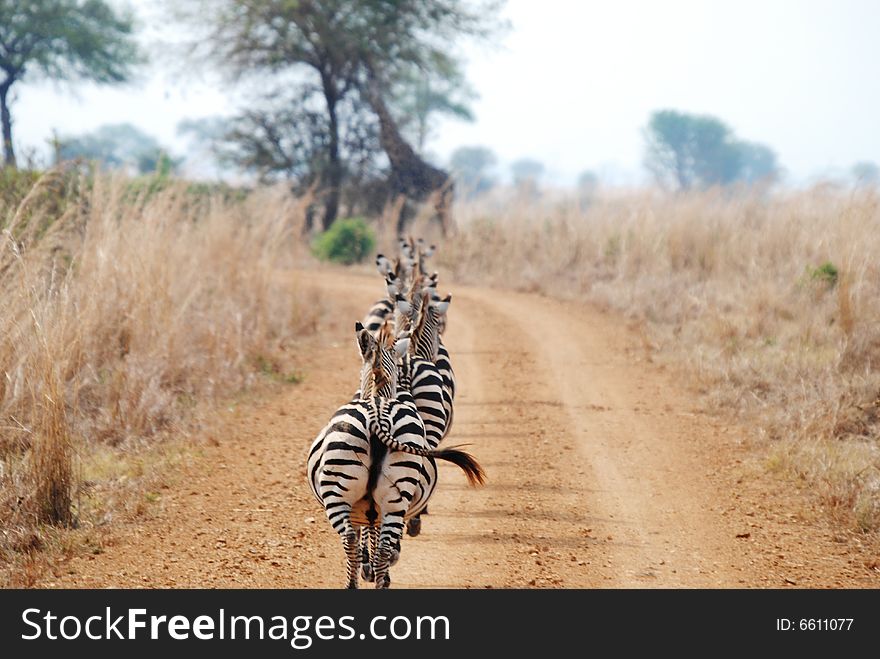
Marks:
<point>6,119</point>
<point>410,175</point>
<point>332,177</point>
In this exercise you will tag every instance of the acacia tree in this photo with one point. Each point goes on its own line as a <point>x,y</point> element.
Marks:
<point>344,48</point>
<point>61,40</point>
<point>286,139</point>
<point>472,167</point>
<point>686,151</point>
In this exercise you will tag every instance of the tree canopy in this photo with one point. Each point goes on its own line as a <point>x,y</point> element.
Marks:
<point>62,40</point>
<point>526,171</point>
<point>866,173</point>
<point>348,54</point>
<point>472,166</point>
<point>118,146</point>
<point>684,151</point>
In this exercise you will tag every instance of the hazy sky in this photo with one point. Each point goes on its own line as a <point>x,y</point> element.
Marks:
<point>572,84</point>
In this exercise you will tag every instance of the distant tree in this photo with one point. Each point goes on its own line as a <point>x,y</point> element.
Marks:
<point>526,169</point>
<point>866,173</point>
<point>60,40</point>
<point>471,166</point>
<point>205,131</point>
<point>686,151</point>
<point>587,184</point>
<point>526,176</point>
<point>118,146</point>
<point>757,163</point>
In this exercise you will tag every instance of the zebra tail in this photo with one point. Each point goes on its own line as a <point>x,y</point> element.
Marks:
<point>465,461</point>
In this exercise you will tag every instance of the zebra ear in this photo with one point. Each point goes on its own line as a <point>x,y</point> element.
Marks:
<point>443,306</point>
<point>383,265</point>
<point>403,306</point>
<point>401,346</point>
<point>392,284</point>
<point>366,342</point>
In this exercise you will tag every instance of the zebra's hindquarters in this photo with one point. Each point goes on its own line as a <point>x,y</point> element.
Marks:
<point>447,375</point>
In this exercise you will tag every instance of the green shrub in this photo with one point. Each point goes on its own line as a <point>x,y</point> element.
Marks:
<point>347,241</point>
<point>827,272</point>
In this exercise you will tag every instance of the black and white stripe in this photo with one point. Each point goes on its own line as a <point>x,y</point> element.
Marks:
<point>371,465</point>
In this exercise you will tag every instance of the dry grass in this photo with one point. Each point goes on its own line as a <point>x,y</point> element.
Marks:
<point>733,287</point>
<point>127,313</point>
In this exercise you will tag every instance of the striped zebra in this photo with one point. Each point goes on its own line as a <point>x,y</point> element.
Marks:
<point>371,466</point>
<point>405,273</point>
<point>381,309</point>
<point>426,382</point>
<point>444,364</point>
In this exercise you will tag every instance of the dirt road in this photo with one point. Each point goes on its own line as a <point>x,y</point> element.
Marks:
<point>602,473</point>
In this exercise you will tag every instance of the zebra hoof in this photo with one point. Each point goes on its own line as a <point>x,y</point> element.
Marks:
<point>414,527</point>
<point>367,571</point>
<point>385,583</point>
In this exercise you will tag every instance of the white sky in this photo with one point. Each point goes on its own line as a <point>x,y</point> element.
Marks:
<point>573,82</point>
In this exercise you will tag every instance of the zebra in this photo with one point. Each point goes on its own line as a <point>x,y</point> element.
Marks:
<point>400,275</point>
<point>426,380</point>
<point>444,366</point>
<point>379,312</point>
<point>371,466</point>
<point>441,356</point>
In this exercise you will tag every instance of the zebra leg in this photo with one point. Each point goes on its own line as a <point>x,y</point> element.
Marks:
<point>369,541</point>
<point>388,550</point>
<point>351,544</point>
<point>339,514</point>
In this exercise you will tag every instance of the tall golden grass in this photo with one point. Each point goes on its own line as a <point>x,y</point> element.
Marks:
<point>733,286</point>
<point>124,309</point>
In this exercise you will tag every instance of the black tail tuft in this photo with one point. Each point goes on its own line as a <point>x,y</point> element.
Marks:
<point>467,463</point>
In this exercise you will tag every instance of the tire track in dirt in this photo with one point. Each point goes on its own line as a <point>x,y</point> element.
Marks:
<point>601,474</point>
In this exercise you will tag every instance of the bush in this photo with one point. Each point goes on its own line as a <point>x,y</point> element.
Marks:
<point>347,241</point>
<point>827,272</point>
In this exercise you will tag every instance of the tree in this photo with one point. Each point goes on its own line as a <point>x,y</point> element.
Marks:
<point>757,163</point>
<point>471,166</point>
<point>287,139</point>
<point>526,174</point>
<point>62,40</point>
<point>418,98</point>
<point>118,146</point>
<point>345,48</point>
<point>866,173</point>
<point>526,171</point>
<point>686,151</point>
<point>587,184</point>
<point>689,150</point>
